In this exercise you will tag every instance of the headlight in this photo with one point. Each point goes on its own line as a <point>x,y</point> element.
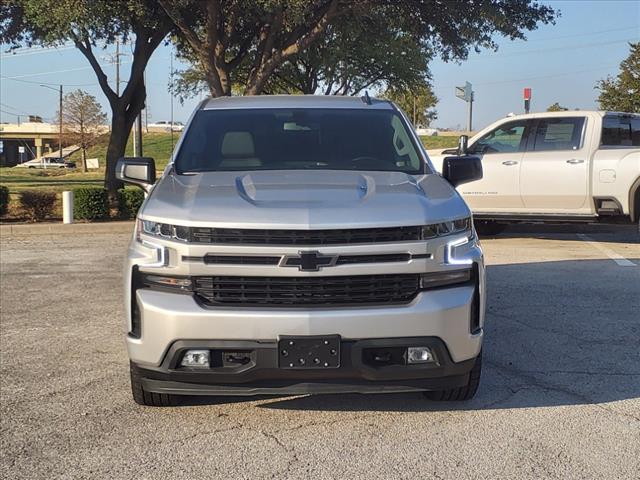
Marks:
<point>446,228</point>
<point>163,230</point>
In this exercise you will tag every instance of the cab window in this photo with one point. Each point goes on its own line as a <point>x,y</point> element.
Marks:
<point>562,133</point>
<point>621,131</point>
<point>506,138</point>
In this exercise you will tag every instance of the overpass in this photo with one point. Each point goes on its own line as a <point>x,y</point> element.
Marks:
<point>36,139</point>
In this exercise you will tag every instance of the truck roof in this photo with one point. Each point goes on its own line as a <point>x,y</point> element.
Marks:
<point>569,113</point>
<point>295,101</point>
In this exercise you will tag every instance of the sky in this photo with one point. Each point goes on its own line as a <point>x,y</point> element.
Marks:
<point>560,63</point>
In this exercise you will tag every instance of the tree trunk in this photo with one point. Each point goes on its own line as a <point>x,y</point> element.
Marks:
<point>84,159</point>
<point>121,124</point>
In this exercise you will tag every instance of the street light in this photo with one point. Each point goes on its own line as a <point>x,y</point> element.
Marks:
<point>60,124</point>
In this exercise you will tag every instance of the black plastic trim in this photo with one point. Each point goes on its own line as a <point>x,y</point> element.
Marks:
<point>264,376</point>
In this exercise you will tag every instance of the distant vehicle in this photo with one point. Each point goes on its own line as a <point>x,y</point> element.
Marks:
<point>177,126</point>
<point>426,132</point>
<point>562,166</point>
<point>47,162</point>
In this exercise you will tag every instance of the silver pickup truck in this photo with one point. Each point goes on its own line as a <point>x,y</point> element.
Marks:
<point>301,244</point>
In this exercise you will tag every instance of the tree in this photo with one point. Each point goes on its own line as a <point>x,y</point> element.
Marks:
<point>345,61</point>
<point>89,23</point>
<point>417,103</point>
<point>246,42</point>
<point>83,121</point>
<point>622,93</point>
<point>556,107</point>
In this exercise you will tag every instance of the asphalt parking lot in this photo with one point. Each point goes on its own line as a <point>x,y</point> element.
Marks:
<point>559,397</point>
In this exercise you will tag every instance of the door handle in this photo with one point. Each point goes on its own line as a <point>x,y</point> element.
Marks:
<point>510,162</point>
<point>575,161</point>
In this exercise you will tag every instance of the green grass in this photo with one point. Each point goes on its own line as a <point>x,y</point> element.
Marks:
<point>156,145</point>
<point>449,141</point>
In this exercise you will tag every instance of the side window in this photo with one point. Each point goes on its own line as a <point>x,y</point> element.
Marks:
<point>562,133</point>
<point>406,155</point>
<point>620,131</point>
<point>506,138</point>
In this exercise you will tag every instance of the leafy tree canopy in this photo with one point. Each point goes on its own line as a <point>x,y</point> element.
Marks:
<point>418,103</point>
<point>622,93</point>
<point>556,107</point>
<point>245,43</point>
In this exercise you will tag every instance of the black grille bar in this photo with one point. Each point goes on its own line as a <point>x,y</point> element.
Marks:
<point>303,291</point>
<point>235,236</point>
<point>211,259</point>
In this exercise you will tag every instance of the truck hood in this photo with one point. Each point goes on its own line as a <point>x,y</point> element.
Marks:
<point>305,200</point>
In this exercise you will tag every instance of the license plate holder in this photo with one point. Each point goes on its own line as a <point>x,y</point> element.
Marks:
<point>309,352</point>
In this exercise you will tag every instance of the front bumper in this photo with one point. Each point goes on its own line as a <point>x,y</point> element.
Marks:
<point>169,317</point>
<point>261,376</point>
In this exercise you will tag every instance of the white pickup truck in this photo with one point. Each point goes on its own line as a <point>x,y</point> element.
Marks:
<point>554,166</point>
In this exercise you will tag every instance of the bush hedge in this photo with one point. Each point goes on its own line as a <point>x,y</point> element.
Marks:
<point>37,205</point>
<point>129,201</point>
<point>4,200</point>
<point>90,203</point>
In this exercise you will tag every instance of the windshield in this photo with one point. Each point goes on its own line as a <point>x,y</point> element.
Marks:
<point>292,139</point>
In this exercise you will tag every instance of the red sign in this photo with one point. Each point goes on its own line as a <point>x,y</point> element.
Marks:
<point>527,93</point>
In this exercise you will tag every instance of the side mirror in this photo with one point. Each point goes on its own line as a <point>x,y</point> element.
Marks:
<point>459,170</point>
<point>139,171</point>
<point>463,141</point>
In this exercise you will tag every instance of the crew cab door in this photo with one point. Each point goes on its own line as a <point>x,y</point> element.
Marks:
<point>555,168</point>
<point>501,151</point>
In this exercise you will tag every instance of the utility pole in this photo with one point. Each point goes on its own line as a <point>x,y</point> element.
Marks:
<point>470,120</point>
<point>59,122</point>
<point>414,111</point>
<point>60,126</point>
<point>137,135</point>
<point>171,93</point>
<point>137,132</point>
<point>117,66</point>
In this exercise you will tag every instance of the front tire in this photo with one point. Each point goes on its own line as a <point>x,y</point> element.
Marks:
<point>149,399</point>
<point>460,394</point>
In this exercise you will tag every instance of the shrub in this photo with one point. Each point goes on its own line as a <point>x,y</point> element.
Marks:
<point>4,200</point>
<point>90,203</point>
<point>37,205</point>
<point>129,201</point>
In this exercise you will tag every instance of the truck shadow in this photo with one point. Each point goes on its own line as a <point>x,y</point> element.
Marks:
<point>604,232</point>
<point>557,333</point>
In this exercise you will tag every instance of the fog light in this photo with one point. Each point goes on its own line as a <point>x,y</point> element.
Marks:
<point>419,355</point>
<point>196,358</point>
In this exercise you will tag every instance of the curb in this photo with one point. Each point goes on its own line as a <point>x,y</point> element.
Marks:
<point>7,230</point>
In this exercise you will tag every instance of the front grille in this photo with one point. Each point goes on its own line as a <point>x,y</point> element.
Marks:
<point>301,291</point>
<point>302,237</point>
<point>379,258</point>
<point>211,259</point>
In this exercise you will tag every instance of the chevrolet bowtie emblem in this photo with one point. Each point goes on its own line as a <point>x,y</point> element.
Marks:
<point>309,261</point>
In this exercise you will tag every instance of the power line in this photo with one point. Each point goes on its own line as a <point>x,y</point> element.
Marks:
<point>52,84</point>
<point>546,76</point>
<point>15,77</point>
<point>14,109</point>
<point>543,50</point>
<point>14,114</point>
<point>586,34</point>
<point>27,53</point>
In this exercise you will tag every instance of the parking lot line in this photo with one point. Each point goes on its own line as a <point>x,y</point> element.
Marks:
<point>619,259</point>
